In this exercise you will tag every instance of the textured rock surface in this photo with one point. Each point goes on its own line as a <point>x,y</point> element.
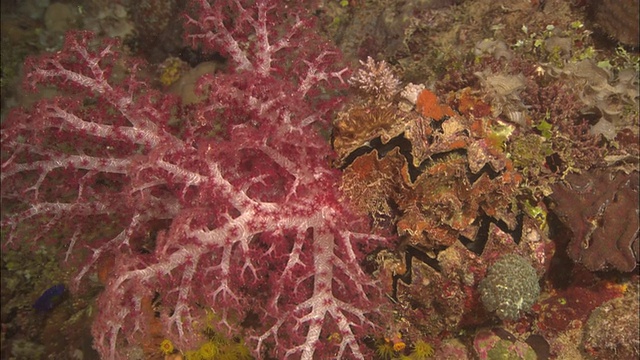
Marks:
<point>618,18</point>
<point>612,329</point>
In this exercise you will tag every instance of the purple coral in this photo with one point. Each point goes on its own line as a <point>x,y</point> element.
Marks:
<point>600,208</point>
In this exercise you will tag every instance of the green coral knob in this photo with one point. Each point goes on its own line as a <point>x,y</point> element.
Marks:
<point>510,287</point>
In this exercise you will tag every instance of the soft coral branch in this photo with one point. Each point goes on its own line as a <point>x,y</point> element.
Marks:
<point>249,224</point>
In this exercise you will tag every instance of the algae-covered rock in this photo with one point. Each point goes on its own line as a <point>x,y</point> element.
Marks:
<point>612,330</point>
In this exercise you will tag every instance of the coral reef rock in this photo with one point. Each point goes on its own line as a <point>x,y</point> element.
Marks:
<point>612,329</point>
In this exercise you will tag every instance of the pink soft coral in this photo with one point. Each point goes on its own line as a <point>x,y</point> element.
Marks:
<point>247,222</point>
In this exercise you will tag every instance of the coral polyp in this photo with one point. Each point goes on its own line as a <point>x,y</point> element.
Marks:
<point>421,350</point>
<point>385,350</point>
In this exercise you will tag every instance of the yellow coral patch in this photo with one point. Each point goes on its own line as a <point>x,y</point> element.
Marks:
<point>166,346</point>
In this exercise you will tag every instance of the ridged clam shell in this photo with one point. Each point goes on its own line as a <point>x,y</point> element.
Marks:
<point>516,116</point>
